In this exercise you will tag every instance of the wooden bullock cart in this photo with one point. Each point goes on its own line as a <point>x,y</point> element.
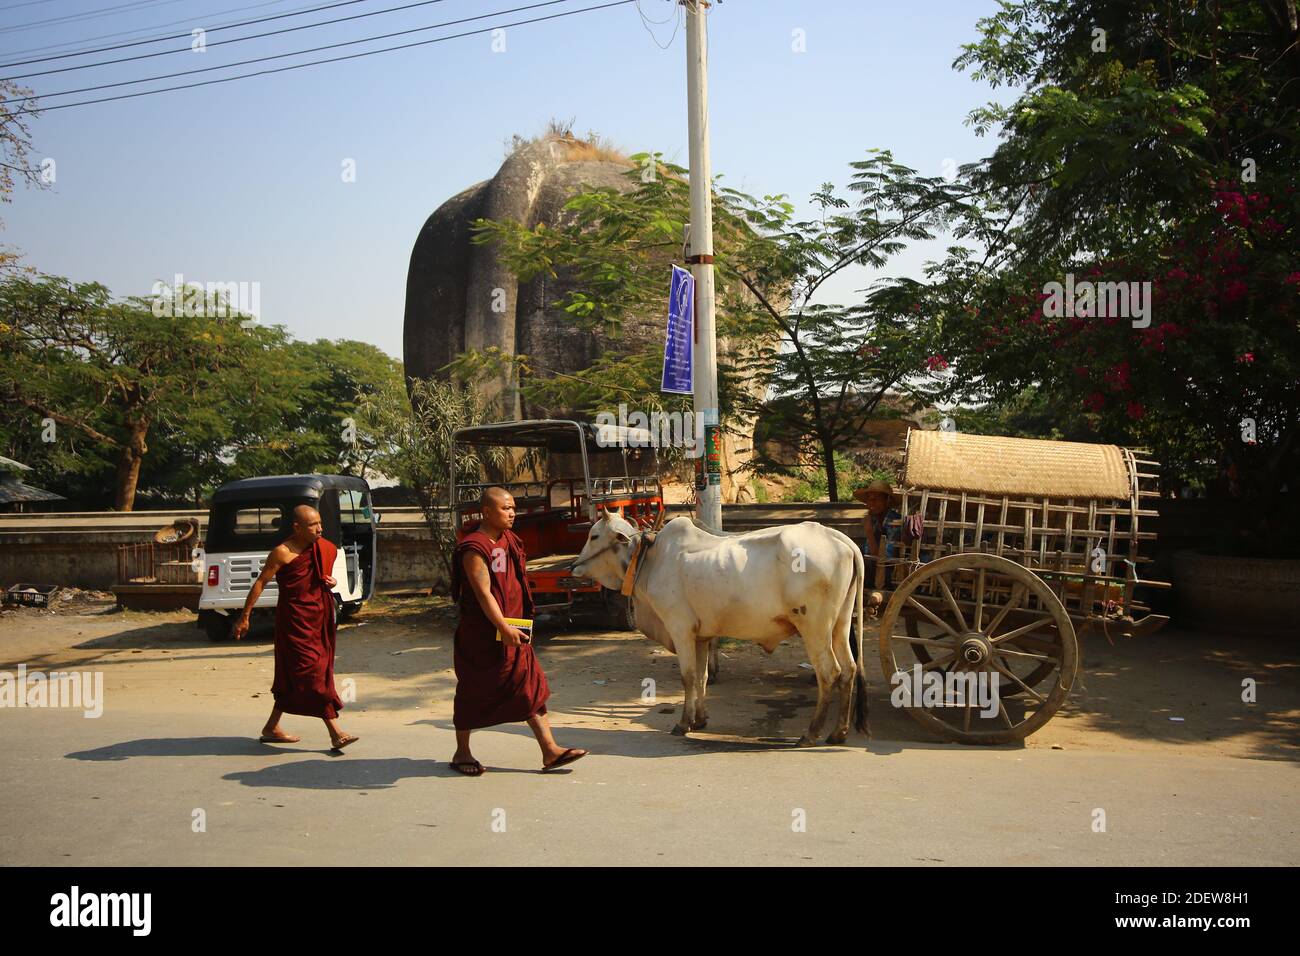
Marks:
<point>1021,540</point>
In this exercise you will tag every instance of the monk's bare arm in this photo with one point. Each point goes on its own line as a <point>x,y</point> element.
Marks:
<point>476,573</point>
<point>274,562</point>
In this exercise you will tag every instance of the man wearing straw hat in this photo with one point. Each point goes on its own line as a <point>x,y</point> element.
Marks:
<point>882,524</point>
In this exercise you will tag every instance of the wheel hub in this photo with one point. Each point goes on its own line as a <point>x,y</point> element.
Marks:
<point>975,650</point>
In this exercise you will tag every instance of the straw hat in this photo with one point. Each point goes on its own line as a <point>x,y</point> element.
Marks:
<point>875,487</point>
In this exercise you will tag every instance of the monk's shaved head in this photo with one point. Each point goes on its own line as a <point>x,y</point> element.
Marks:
<point>497,506</point>
<point>305,515</point>
<point>495,494</point>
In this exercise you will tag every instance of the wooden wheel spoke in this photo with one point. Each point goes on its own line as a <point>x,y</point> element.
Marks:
<point>1023,629</point>
<point>1029,690</point>
<point>934,618</point>
<point>1018,593</point>
<point>939,662</point>
<point>1002,712</point>
<point>1037,657</point>
<point>952,602</point>
<point>976,596</point>
<point>928,641</point>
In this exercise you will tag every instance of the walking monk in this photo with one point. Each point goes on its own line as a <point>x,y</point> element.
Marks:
<point>304,629</point>
<point>497,681</point>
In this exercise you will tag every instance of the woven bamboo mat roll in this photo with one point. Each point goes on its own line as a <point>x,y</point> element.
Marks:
<point>955,461</point>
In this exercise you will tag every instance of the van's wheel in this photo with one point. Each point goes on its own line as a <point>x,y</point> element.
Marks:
<point>215,626</point>
<point>620,615</point>
<point>348,610</point>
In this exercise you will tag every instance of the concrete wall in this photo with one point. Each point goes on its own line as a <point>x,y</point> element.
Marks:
<point>80,549</point>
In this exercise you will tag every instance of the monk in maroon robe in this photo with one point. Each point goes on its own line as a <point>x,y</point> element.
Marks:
<point>304,629</point>
<point>497,681</point>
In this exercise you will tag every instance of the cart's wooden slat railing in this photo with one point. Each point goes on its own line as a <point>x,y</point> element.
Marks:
<point>1064,541</point>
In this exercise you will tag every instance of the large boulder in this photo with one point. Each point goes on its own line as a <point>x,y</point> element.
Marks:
<point>460,296</point>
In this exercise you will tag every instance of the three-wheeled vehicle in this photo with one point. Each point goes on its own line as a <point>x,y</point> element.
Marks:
<point>252,516</point>
<point>579,468</point>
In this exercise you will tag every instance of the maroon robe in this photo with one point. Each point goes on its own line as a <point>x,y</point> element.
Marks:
<point>495,683</point>
<point>304,635</point>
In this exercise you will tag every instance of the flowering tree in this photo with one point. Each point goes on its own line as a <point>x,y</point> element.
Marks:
<point>1150,147</point>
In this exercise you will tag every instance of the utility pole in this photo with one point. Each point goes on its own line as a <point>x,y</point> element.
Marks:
<point>700,259</point>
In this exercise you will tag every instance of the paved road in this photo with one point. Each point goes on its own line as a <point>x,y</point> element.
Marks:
<point>1157,737</point>
<point>123,789</point>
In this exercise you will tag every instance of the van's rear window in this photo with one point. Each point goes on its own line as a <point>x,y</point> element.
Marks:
<point>250,526</point>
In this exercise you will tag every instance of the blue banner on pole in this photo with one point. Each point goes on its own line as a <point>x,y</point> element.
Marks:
<point>679,354</point>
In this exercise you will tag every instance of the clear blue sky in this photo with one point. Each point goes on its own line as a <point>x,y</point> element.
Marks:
<point>241,181</point>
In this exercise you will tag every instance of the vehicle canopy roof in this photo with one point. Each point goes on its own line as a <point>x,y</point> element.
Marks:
<point>557,435</point>
<point>1033,467</point>
<point>271,487</point>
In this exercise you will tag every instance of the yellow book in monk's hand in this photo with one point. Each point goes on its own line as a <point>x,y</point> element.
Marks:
<point>523,624</point>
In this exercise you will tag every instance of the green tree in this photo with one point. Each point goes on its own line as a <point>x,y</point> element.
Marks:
<point>15,151</point>
<point>312,424</point>
<point>419,451</point>
<point>1155,143</point>
<point>612,256</point>
<point>107,375</point>
<point>839,361</point>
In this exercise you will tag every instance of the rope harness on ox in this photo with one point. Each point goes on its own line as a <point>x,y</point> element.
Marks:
<point>642,542</point>
<point>645,540</point>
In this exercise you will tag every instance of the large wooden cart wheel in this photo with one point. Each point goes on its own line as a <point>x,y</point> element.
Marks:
<point>987,615</point>
<point>1029,677</point>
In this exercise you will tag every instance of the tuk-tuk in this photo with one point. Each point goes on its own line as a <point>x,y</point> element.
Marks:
<point>587,468</point>
<point>252,516</point>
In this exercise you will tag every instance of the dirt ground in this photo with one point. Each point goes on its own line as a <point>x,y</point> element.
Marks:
<point>397,654</point>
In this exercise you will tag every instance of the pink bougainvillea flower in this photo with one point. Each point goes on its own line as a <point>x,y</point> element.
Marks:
<point>936,363</point>
<point>1136,410</point>
<point>1234,290</point>
<point>1246,358</point>
<point>1095,402</point>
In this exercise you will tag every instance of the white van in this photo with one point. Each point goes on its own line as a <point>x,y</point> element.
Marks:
<point>252,516</point>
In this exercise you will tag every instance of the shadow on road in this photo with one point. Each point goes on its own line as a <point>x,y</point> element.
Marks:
<point>188,747</point>
<point>339,774</point>
<point>615,742</point>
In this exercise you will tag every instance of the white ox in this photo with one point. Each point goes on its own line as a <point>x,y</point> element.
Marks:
<point>692,585</point>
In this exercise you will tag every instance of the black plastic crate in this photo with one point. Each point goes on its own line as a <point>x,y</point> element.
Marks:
<point>31,595</point>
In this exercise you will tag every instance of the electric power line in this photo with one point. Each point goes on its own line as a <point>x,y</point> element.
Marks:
<point>186,35</point>
<point>251,36</point>
<point>135,31</point>
<point>336,59</point>
<point>86,15</point>
<point>28,3</point>
<point>280,56</point>
<point>646,21</point>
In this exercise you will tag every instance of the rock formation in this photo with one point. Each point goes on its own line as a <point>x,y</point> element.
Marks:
<point>460,296</point>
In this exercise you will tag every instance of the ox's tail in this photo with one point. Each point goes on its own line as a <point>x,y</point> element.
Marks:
<point>860,584</point>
